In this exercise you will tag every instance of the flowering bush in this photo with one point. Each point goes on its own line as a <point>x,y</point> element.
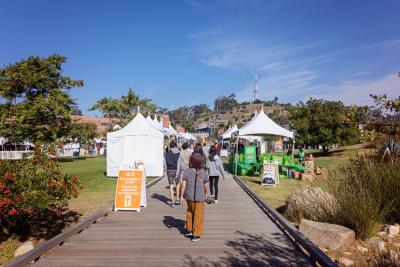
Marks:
<point>29,188</point>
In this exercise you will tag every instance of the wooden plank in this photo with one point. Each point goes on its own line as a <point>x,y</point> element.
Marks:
<point>236,232</point>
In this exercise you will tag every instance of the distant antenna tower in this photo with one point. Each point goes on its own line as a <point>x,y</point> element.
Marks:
<point>255,87</point>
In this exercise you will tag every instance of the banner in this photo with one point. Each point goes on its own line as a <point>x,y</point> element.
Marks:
<point>129,190</point>
<point>270,174</point>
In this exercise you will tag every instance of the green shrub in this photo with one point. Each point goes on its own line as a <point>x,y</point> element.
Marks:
<point>367,194</point>
<point>30,188</point>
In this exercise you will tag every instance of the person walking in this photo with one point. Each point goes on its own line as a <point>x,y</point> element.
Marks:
<point>170,164</point>
<point>215,170</point>
<point>182,165</point>
<point>195,191</point>
<point>301,155</point>
<point>289,170</point>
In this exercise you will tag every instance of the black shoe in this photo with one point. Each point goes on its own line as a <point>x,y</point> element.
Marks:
<point>195,238</point>
<point>189,235</point>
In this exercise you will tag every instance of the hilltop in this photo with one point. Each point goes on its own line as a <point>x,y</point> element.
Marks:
<point>243,113</point>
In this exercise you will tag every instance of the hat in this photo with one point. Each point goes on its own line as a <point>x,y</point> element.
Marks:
<point>196,160</point>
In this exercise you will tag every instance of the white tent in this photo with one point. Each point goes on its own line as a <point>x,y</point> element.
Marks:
<point>170,131</point>
<point>151,121</point>
<point>228,133</point>
<point>187,136</point>
<point>261,124</point>
<point>139,140</point>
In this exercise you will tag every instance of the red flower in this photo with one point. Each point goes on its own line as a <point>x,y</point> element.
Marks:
<point>63,183</point>
<point>18,198</point>
<point>75,179</point>
<point>12,212</point>
<point>6,192</point>
<point>53,184</point>
<point>2,187</point>
<point>9,176</point>
<point>7,201</point>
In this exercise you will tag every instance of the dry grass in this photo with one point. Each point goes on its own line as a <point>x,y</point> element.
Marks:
<point>7,249</point>
<point>367,193</point>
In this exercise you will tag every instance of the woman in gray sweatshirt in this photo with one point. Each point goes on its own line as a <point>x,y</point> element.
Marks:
<point>215,170</point>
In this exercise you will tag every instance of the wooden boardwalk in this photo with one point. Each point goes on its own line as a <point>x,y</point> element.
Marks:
<point>237,233</point>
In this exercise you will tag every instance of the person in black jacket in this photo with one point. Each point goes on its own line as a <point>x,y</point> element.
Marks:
<point>171,164</point>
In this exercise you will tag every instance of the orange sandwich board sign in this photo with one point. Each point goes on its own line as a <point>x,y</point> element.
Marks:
<point>129,190</point>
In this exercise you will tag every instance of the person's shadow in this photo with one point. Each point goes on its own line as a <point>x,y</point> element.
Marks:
<point>161,198</point>
<point>178,224</point>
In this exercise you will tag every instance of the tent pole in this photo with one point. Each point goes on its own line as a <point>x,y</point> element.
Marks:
<point>237,149</point>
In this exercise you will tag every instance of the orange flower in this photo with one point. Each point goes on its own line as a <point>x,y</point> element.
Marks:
<point>75,179</point>
<point>63,183</point>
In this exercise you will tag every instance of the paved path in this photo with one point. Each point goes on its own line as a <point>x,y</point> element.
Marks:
<point>237,233</point>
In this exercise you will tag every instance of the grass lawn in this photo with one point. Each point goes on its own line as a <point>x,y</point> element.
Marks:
<point>99,190</point>
<point>276,196</point>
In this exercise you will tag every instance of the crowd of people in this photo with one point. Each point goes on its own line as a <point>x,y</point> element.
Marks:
<point>193,173</point>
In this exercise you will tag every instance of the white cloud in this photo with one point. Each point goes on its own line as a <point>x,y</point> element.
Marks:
<point>296,71</point>
<point>301,86</point>
<point>358,91</point>
<point>193,3</point>
<point>250,54</point>
<point>272,66</point>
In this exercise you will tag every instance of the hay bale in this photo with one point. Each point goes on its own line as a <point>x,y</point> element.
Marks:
<point>312,203</point>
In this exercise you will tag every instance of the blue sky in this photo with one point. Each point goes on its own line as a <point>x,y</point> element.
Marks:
<point>192,51</point>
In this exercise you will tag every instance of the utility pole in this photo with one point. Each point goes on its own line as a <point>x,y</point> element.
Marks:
<point>255,87</point>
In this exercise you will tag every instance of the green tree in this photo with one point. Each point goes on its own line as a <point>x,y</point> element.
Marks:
<point>124,108</point>
<point>225,103</point>
<point>82,133</point>
<point>76,111</point>
<point>35,103</point>
<point>385,104</point>
<point>198,110</point>
<point>326,123</point>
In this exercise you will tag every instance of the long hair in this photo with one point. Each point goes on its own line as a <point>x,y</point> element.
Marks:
<point>198,148</point>
<point>212,152</point>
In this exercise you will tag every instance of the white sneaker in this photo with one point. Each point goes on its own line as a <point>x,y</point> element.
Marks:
<point>215,201</point>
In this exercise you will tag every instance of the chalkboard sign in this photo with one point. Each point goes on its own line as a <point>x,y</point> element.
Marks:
<point>270,174</point>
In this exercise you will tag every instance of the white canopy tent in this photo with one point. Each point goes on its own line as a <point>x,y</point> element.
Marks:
<point>139,140</point>
<point>228,133</point>
<point>187,136</point>
<point>262,125</point>
<point>153,122</point>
